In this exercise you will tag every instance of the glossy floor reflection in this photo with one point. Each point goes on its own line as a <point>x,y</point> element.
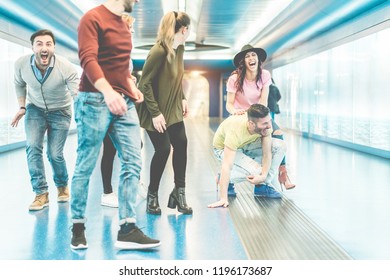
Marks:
<point>342,192</point>
<point>45,235</point>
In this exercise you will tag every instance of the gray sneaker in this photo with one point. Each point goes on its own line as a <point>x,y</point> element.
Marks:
<point>78,237</point>
<point>132,238</point>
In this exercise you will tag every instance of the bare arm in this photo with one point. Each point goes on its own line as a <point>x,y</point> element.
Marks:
<point>264,96</point>
<point>231,96</point>
<point>227,165</point>
<point>19,114</point>
<point>265,163</point>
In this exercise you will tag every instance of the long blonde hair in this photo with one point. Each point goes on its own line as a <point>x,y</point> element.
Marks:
<point>170,24</point>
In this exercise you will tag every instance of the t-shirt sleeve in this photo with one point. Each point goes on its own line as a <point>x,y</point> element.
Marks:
<point>231,140</point>
<point>230,85</point>
<point>266,78</point>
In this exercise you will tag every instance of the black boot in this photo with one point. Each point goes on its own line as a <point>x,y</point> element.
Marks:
<point>178,198</point>
<point>152,206</point>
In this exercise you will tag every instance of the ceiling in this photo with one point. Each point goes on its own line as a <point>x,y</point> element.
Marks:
<point>219,27</point>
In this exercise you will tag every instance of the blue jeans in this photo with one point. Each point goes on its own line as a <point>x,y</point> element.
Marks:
<point>94,120</point>
<point>37,121</point>
<point>248,160</point>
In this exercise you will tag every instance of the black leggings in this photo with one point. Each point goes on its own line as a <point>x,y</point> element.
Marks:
<point>107,163</point>
<point>106,166</point>
<point>175,135</point>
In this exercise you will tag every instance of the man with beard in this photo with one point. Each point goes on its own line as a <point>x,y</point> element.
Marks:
<point>48,82</point>
<point>244,145</point>
<point>106,104</point>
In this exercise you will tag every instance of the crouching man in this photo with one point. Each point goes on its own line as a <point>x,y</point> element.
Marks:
<point>247,152</point>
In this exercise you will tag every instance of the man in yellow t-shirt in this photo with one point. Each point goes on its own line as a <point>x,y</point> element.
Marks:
<point>244,145</point>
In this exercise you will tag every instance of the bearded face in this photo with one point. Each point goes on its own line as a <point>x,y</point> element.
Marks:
<point>128,5</point>
<point>43,48</point>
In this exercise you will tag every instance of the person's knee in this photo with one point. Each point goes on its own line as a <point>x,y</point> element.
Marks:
<point>180,147</point>
<point>34,148</point>
<point>278,145</point>
<point>163,150</point>
<point>55,154</point>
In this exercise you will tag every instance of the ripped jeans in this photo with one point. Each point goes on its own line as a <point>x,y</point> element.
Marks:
<point>248,160</point>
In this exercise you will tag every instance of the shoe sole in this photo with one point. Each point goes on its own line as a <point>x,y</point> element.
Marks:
<point>122,245</point>
<point>109,205</point>
<point>60,199</point>
<point>38,208</point>
<point>79,247</point>
<point>153,213</point>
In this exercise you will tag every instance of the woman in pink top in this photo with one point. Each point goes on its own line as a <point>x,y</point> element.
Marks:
<point>249,84</point>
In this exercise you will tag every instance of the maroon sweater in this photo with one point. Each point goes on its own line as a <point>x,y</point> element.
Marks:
<point>104,50</point>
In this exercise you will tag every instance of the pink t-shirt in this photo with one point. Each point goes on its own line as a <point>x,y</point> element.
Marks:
<point>251,94</point>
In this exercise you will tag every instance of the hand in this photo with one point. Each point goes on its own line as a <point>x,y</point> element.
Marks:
<point>18,116</point>
<point>221,203</point>
<point>116,104</point>
<point>185,108</point>
<point>239,112</point>
<point>140,96</point>
<point>256,179</point>
<point>159,123</point>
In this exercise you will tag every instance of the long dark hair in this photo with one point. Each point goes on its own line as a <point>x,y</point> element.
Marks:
<point>241,71</point>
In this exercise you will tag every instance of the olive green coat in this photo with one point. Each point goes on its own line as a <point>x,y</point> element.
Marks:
<point>161,84</point>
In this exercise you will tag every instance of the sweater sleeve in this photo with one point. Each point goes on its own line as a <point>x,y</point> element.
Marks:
<point>180,53</point>
<point>20,84</point>
<point>72,79</point>
<point>150,71</point>
<point>88,37</point>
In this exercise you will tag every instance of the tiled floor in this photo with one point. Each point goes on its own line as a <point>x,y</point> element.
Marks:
<point>343,192</point>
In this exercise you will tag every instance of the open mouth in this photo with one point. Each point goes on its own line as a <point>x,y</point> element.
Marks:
<point>252,63</point>
<point>44,56</point>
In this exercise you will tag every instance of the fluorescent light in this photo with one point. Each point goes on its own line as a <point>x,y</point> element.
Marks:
<point>273,9</point>
<point>182,5</point>
<point>86,5</point>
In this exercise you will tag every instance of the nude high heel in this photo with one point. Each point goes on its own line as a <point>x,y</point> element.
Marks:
<point>284,180</point>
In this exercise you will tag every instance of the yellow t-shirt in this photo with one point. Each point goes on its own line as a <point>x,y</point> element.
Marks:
<point>233,133</point>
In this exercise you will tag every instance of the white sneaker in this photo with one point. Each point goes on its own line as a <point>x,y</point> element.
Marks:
<point>110,200</point>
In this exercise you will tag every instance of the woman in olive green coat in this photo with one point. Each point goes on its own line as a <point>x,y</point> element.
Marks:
<point>164,108</point>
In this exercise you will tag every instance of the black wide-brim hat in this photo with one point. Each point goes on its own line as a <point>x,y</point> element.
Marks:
<point>261,54</point>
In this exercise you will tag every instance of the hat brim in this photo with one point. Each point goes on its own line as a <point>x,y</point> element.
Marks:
<point>261,54</point>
